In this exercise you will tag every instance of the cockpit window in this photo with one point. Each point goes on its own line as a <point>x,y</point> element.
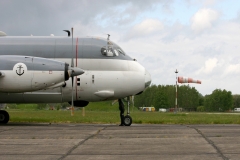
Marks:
<point>120,51</point>
<point>116,52</point>
<point>108,51</point>
<point>111,52</point>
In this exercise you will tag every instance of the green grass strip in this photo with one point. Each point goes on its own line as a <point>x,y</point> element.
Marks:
<point>112,117</point>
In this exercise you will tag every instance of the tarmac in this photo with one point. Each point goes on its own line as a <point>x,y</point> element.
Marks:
<point>98,141</point>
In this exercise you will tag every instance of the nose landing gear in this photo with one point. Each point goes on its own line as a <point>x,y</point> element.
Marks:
<point>125,120</point>
<point>128,118</point>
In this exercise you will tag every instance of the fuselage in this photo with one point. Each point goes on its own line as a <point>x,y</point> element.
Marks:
<point>109,73</point>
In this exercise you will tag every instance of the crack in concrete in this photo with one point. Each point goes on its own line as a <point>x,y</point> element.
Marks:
<point>80,143</point>
<point>210,142</point>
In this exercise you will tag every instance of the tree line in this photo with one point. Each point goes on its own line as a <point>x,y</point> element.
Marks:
<point>188,98</point>
<point>163,96</point>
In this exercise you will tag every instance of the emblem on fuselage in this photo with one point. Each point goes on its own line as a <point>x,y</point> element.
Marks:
<point>20,68</point>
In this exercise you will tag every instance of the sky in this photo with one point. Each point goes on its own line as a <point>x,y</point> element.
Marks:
<point>199,38</point>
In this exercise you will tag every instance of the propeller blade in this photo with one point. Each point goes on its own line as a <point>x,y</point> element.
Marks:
<point>72,98</point>
<point>72,65</point>
<point>72,62</point>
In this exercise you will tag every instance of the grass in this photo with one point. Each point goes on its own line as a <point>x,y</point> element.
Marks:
<point>112,117</point>
<point>105,113</point>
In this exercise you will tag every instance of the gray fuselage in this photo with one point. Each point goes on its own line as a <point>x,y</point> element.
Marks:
<point>109,72</point>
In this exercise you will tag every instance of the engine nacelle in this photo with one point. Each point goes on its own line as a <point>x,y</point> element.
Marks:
<point>26,74</point>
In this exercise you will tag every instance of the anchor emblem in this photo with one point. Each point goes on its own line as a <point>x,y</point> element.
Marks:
<point>20,71</point>
<point>20,68</point>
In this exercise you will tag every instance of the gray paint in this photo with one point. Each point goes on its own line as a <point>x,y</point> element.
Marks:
<point>50,48</point>
<point>53,96</point>
<point>2,33</point>
<point>57,47</point>
<point>33,63</point>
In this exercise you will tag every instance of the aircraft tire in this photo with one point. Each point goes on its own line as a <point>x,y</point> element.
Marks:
<point>4,117</point>
<point>127,120</point>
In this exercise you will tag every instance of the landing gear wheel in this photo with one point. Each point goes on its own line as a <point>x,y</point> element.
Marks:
<point>127,120</point>
<point>4,117</point>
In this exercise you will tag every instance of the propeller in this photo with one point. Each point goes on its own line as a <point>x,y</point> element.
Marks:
<point>72,65</point>
<point>73,71</point>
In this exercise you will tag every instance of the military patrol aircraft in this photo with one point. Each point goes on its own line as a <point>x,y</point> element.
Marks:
<point>67,69</point>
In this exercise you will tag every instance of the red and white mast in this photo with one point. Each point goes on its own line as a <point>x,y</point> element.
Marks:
<point>183,80</point>
<point>176,91</point>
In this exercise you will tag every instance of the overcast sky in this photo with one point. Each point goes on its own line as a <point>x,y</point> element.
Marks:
<point>200,38</point>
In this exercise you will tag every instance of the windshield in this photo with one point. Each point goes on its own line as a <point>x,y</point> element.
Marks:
<point>112,50</point>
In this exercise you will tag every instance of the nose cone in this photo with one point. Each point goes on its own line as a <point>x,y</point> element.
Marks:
<point>148,79</point>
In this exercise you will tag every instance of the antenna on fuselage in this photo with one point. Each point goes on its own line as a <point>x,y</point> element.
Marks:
<point>108,37</point>
<point>69,33</point>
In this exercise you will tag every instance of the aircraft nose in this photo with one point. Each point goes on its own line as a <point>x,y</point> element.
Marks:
<point>148,79</point>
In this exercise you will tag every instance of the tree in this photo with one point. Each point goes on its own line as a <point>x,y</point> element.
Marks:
<point>161,99</point>
<point>201,99</point>
<point>188,97</point>
<point>163,96</point>
<point>219,100</point>
<point>236,101</point>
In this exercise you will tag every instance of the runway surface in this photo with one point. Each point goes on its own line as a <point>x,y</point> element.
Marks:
<point>83,141</point>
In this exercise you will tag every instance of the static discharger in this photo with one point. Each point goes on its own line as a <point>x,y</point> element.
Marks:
<point>188,80</point>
